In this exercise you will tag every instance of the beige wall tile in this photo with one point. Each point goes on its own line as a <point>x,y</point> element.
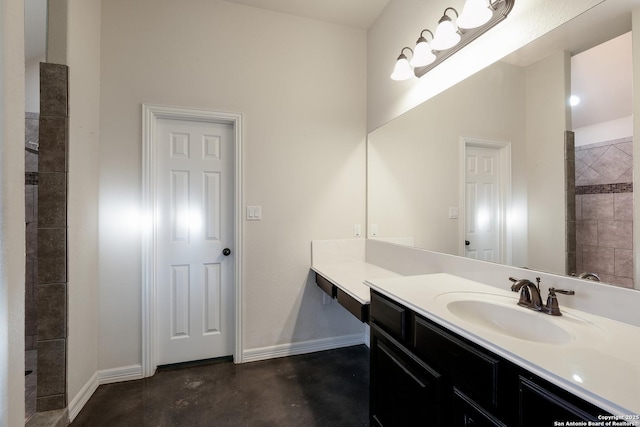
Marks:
<point>623,206</point>
<point>624,262</point>
<point>598,260</point>
<point>615,234</point>
<point>597,206</point>
<point>587,232</point>
<point>613,164</point>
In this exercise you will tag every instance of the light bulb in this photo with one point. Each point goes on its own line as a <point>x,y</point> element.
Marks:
<point>474,14</point>
<point>402,70</point>
<point>446,35</point>
<point>422,54</point>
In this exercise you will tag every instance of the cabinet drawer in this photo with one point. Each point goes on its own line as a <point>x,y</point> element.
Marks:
<point>476,371</point>
<point>328,287</point>
<point>390,316</point>
<point>467,413</point>
<point>542,405</point>
<point>361,311</point>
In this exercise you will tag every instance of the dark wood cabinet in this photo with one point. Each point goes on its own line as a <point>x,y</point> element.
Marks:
<point>425,375</point>
<point>326,286</point>
<point>404,390</point>
<point>389,316</point>
<point>541,404</point>
<point>475,371</point>
<point>467,413</point>
<point>355,307</point>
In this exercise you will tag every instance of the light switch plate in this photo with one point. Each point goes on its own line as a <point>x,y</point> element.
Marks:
<point>453,213</point>
<point>254,213</point>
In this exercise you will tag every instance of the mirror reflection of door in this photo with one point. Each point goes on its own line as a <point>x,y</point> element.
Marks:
<point>485,187</point>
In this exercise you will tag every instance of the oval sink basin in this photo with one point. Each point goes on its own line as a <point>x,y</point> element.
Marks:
<point>513,321</point>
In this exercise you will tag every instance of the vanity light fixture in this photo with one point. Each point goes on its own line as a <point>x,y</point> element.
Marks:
<point>447,35</point>
<point>474,14</point>
<point>402,70</point>
<point>477,17</point>
<point>423,54</point>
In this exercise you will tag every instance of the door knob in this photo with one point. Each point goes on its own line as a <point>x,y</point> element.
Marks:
<point>226,252</point>
<point>467,243</point>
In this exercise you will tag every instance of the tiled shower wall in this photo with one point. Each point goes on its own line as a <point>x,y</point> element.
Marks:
<point>570,201</point>
<point>31,272</point>
<point>52,239</point>
<point>604,210</point>
<point>31,219</point>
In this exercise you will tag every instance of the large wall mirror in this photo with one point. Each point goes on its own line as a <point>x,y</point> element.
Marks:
<point>501,168</point>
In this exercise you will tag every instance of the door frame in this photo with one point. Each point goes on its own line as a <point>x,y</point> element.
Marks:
<point>504,152</point>
<point>151,113</point>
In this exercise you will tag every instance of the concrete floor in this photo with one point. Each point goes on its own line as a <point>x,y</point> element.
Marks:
<point>329,388</point>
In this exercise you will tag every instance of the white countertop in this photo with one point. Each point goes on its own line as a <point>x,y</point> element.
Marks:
<point>350,277</point>
<point>600,363</point>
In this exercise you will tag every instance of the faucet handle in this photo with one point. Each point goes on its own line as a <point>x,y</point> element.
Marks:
<point>552,291</point>
<point>552,306</point>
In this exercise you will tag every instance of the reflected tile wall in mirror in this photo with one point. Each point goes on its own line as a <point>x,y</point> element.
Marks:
<point>604,210</point>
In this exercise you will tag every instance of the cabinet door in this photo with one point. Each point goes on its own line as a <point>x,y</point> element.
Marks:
<point>467,413</point>
<point>477,372</point>
<point>404,391</point>
<point>540,406</point>
<point>389,315</point>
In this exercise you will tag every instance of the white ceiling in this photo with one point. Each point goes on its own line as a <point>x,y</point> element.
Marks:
<point>601,72</point>
<point>353,13</point>
<point>602,77</point>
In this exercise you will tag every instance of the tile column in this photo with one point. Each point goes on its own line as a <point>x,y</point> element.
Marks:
<point>52,239</point>
<point>570,202</point>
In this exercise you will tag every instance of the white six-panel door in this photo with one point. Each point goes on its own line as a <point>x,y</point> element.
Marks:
<point>482,203</point>
<point>194,193</point>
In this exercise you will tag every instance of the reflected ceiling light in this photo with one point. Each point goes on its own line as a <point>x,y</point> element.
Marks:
<point>478,16</point>
<point>422,54</point>
<point>474,14</point>
<point>447,35</point>
<point>402,70</point>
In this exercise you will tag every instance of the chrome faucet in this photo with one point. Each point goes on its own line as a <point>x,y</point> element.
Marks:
<point>530,296</point>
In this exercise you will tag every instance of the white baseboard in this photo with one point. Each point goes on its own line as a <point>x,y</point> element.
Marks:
<point>83,396</point>
<point>134,372</point>
<point>116,375</point>
<point>292,349</point>
<point>107,376</point>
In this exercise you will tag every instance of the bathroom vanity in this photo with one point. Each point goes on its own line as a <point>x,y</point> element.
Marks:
<point>340,271</point>
<point>448,351</point>
<point>346,286</point>
<point>451,346</point>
